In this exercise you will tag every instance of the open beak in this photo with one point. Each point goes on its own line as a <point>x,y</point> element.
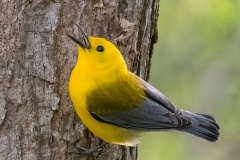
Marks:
<point>85,43</point>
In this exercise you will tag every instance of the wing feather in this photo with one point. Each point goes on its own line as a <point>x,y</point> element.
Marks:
<point>153,112</point>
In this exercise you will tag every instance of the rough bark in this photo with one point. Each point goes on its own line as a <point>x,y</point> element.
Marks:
<point>37,120</point>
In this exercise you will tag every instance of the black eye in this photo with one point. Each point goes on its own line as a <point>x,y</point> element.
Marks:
<point>100,48</point>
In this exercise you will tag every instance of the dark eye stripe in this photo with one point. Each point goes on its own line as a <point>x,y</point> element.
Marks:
<point>100,48</point>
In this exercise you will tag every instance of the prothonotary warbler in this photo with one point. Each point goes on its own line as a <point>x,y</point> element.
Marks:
<point>117,105</point>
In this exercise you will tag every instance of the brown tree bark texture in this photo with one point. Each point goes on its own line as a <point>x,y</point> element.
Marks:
<point>37,119</point>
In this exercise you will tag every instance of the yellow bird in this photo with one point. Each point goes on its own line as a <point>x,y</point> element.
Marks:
<point>117,106</point>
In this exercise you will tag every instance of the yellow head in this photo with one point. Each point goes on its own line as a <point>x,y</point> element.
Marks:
<point>99,57</point>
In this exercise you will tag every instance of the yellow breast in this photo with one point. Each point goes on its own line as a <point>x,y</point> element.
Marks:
<point>79,88</point>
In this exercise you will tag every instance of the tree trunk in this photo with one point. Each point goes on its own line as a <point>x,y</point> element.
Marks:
<point>37,119</point>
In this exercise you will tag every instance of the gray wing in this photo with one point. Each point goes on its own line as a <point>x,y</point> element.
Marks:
<point>155,112</point>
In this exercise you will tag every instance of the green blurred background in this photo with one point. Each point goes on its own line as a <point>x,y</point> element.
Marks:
<point>196,63</point>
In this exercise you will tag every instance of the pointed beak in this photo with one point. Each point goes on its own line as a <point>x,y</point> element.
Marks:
<point>85,43</point>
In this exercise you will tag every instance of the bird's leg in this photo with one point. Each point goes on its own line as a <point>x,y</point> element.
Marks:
<point>85,151</point>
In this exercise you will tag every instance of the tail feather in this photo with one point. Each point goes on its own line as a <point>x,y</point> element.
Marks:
<point>204,126</point>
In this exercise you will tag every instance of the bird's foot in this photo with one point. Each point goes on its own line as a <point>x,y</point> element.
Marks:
<point>84,151</point>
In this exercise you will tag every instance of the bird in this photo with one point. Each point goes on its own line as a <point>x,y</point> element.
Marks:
<point>117,106</point>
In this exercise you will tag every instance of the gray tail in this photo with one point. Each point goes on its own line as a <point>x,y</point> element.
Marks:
<point>203,126</point>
